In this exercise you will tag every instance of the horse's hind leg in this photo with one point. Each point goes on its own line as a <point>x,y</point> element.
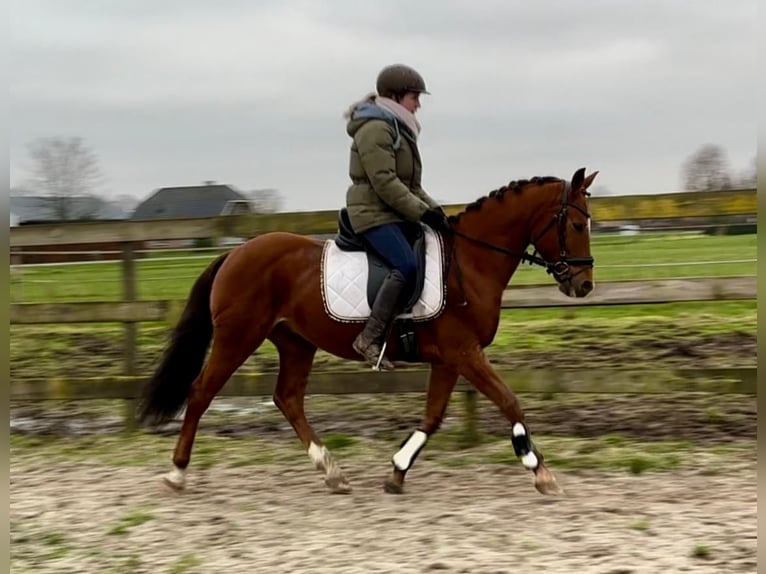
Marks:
<point>230,349</point>
<point>296,356</point>
<point>441,382</point>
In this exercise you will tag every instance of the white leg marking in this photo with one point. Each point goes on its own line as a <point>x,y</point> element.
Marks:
<point>177,476</point>
<point>519,430</point>
<point>403,458</point>
<point>318,455</point>
<point>323,460</point>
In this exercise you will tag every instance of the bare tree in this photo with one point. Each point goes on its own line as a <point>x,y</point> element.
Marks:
<point>126,202</point>
<point>749,177</point>
<point>266,200</point>
<point>63,170</point>
<point>707,169</point>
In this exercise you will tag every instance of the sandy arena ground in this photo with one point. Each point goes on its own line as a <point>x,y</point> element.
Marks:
<point>478,520</point>
<point>95,517</point>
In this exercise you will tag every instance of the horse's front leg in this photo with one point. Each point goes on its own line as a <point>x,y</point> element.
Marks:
<point>441,382</point>
<point>476,368</point>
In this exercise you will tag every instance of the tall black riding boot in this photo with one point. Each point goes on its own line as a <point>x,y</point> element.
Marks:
<point>385,307</point>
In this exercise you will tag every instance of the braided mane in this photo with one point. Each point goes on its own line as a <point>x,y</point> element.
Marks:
<point>499,193</point>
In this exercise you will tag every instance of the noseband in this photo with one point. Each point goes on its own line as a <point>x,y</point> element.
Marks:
<point>560,269</point>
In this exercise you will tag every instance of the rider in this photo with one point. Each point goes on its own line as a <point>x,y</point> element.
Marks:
<point>386,193</point>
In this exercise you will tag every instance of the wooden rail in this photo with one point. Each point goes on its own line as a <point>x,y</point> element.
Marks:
<point>526,296</point>
<point>413,380</point>
<point>721,381</point>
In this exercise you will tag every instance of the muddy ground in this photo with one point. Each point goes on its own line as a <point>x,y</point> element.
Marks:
<point>659,483</point>
<point>656,345</point>
<point>653,483</point>
<point>700,418</point>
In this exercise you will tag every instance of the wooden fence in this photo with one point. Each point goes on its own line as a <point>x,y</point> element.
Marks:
<point>525,296</point>
<point>130,312</point>
<point>412,380</point>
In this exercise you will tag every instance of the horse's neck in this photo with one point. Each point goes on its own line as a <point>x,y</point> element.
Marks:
<point>493,269</point>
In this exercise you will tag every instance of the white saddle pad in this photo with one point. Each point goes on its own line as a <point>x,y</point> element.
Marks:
<point>344,283</point>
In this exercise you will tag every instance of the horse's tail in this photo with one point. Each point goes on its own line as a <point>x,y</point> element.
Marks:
<point>166,391</point>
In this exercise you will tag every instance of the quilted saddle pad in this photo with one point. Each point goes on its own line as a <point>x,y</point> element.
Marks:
<point>344,283</point>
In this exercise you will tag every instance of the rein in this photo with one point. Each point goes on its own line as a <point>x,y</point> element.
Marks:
<point>531,259</point>
<point>559,269</point>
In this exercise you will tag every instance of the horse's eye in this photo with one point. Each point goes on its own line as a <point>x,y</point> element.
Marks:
<point>579,226</point>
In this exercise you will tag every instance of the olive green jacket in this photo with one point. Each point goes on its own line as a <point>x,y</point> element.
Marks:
<point>385,169</point>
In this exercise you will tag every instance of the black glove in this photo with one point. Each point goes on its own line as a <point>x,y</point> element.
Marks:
<point>436,220</point>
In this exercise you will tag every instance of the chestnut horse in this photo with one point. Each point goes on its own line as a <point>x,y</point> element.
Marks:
<point>269,288</point>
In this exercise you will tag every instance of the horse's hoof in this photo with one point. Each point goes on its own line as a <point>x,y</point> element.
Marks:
<point>392,487</point>
<point>175,479</point>
<point>545,483</point>
<point>550,488</point>
<point>338,485</point>
<point>177,487</point>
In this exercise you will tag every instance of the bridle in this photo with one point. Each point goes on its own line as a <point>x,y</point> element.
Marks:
<point>560,269</point>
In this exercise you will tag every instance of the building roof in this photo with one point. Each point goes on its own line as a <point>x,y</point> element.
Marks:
<point>190,201</point>
<point>40,209</point>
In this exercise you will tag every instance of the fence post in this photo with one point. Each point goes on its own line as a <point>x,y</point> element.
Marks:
<point>130,328</point>
<point>470,427</point>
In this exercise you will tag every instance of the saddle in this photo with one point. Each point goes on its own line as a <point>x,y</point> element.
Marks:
<point>348,240</point>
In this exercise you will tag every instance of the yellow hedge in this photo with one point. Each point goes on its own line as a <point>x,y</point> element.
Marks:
<point>688,204</point>
<point>610,208</point>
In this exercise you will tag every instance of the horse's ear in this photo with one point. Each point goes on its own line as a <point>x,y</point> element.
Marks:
<point>589,180</point>
<point>577,180</point>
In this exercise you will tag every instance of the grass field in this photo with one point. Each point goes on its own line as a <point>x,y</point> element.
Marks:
<point>648,256</point>
<point>701,334</point>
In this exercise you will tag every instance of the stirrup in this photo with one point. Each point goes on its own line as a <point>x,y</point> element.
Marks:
<point>381,358</point>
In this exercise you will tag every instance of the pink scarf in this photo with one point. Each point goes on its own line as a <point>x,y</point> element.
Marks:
<point>400,112</point>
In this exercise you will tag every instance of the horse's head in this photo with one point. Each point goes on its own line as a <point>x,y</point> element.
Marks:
<point>561,235</point>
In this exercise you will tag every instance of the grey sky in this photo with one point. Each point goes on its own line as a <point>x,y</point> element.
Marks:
<point>252,93</point>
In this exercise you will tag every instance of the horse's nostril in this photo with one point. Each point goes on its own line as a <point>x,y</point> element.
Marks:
<point>587,286</point>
